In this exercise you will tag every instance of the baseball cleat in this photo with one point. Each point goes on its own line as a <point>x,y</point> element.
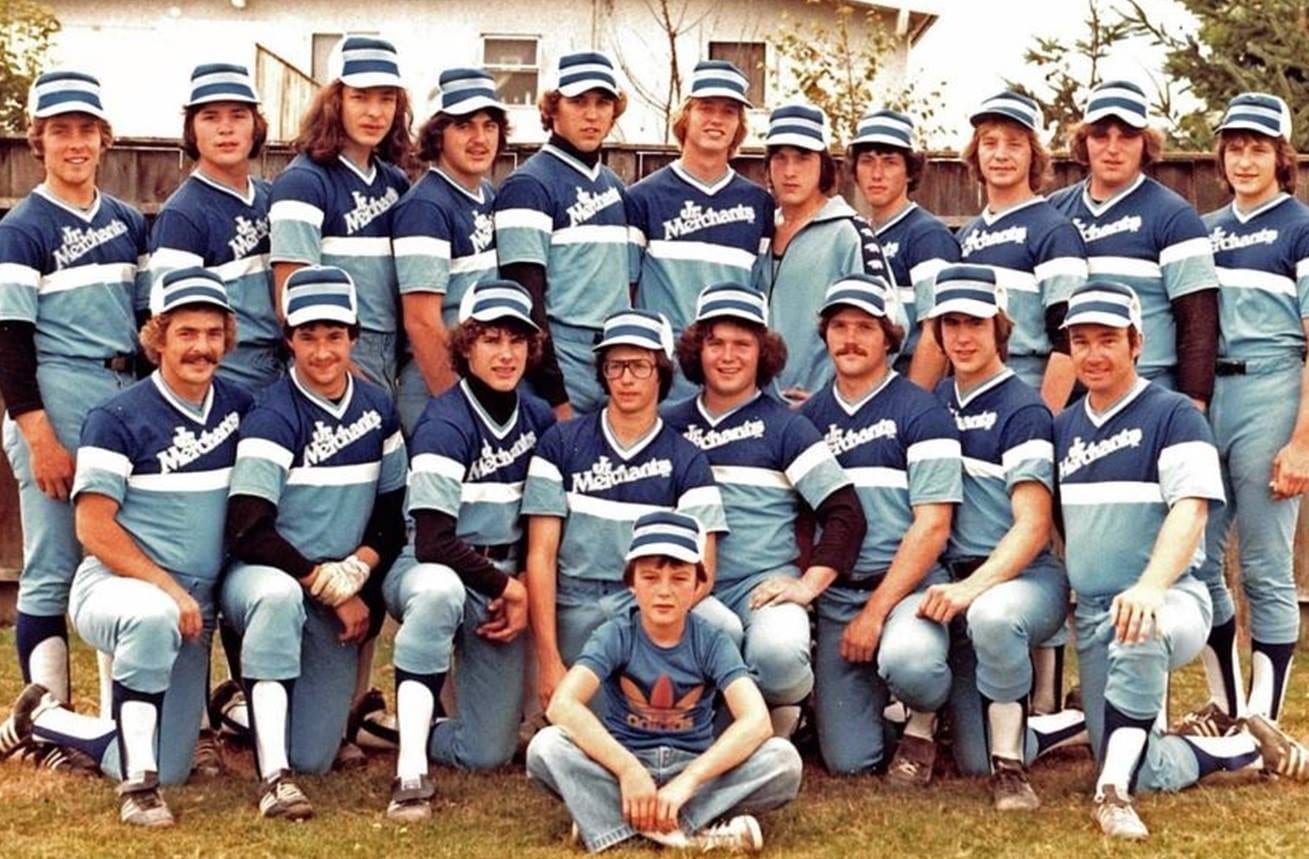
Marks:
<point>1117,816</point>
<point>283,798</point>
<point>1010,788</point>
<point>63,759</point>
<point>228,712</point>
<point>411,800</point>
<point>207,762</point>
<point>912,765</point>
<point>1209,721</point>
<point>142,804</point>
<point>16,730</point>
<point>1283,755</point>
<point>741,834</point>
<point>370,726</point>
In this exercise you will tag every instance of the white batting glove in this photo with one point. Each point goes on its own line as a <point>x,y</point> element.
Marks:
<point>324,586</point>
<point>338,581</point>
<point>358,572</point>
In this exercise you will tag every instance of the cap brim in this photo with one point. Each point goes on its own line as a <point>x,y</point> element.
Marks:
<point>661,549</point>
<point>1116,113</point>
<point>471,105</point>
<point>322,313</point>
<point>883,139</point>
<point>217,97</point>
<point>870,309</point>
<point>731,313</point>
<point>1249,125</point>
<point>364,80</point>
<point>71,107</point>
<point>799,141</point>
<point>1096,317</point>
<point>627,340</point>
<point>499,314</point>
<point>992,113</point>
<point>966,306</point>
<point>577,88</point>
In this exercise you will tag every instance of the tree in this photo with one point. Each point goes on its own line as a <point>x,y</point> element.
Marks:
<point>26,31</point>
<point>674,19</point>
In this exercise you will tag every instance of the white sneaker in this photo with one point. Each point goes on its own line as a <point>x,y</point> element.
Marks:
<point>16,729</point>
<point>280,797</point>
<point>411,800</point>
<point>741,834</point>
<point>142,804</point>
<point>1117,816</point>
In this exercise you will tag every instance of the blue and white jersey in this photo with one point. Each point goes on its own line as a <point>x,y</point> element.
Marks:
<point>1263,271</point>
<point>835,243</point>
<point>661,696</point>
<point>1007,436</point>
<point>687,235</point>
<point>77,276</point>
<point>1119,474</point>
<point>916,246</point>
<point>205,223</point>
<point>766,458</point>
<point>556,212</point>
<point>471,468</point>
<point>443,236</point>
<point>582,474</point>
<point>900,449</point>
<point>322,464</point>
<point>1038,257</point>
<point>335,214</point>
<point>168,464</point>
<point>1149,238</point>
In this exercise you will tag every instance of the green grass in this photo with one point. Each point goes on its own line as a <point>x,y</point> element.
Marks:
<point>501,813</point>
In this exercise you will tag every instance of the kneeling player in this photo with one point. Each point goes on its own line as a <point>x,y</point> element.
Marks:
<point>1138,472</point>
<point>454,587</point>
<point>652,767</point>
<point>151,486</point>
<point>316,501</point>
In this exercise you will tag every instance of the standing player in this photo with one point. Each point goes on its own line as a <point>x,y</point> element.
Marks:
<point>218,218</point>
<point>916,245</point>
<point>456,586</point>
<point>655,766</point>
<point>697,221</point>
<point>1260,413</point>
<point>818,239</point>
<point>561,229</point>
<point>1137,461</point>
<point>900,447</point>
<point>1139,233</point>
<point>768,461</point>
<point>442,232</point>
<point>152,477</point>
<point>316,507</point>
<point>1006,582</point>
<point>592,477</point>
<point>68,254</point>
<point>1036,252</point>
<point>332,204</point>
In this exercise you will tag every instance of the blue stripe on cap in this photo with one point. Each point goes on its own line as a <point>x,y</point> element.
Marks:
<point>65,91</point>
<point>584,71</point>
<point>968,289</point>
<point>1259,112</point>
<point>366,61</point>
<point>1122,99</point>
<point>1103,302</point>
<point>719,79</point>
<point>732,300</point>
<point>868,292</point>
<point>799,125</point>
<point>1010,105</point>
<point>495,299</point>
<point>191,285</point>
<point>642,328</point>
<point>221,82</point>
<point>467,90</point>
<point>665,532</point>
<point>319,294</point>
<point>889,127</point>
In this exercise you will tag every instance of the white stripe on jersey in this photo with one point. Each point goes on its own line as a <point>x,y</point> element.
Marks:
<point>587,234</point>
<point>88,275</point>
<point>1249,278</point>
<point>748,475</point>
<point>604,508</point>
<point>1110,492</point>
<point>933,448</point>
<point>183,481</point>
<point>877,477</point>
<point>334,475</point>
<point>260,448</point>
<point>544,469</point>
<point>357,246</point>
<point>425,246</point>
<point>433,463</point>
<point>1123,266</point>
<point>527,219</point>
<point>294,210</point>
<point>809,459</point>
<point>1199,246</point>
<point>476,262</point>
<point>101,459</point>
<point>1035,448</point>
<point>702,252</point>
<point>974,467</point>
<point>491,493</point>
<point>1062,266</point>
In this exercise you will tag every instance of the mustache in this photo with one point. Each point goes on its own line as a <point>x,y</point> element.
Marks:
<point>199,358</point>
<point>852,350</point>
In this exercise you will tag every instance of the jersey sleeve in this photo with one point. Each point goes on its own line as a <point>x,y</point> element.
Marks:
<point>299,203</point>
<point>638,236</point>
<point>698,495</point>
<point>809,464</point>
<point>421,242</point>
<point>932,250</point>
<point>395,457</point>
<point>142,279</point>
<point>1188,460</point>
<point>604,650</point>
<point>438,468</point>
<point>1060,264</point>
<point>1300,252</point>
<point>1186,258</point>
<point>20,275</point>
<point>1028,448</point>
<point>175,242</point>
<point>722,662</point>
<point>934,458</point>
<point>264,456</point>
<point>104,456</point>
<point>523,221</point>
<point>543,491</point>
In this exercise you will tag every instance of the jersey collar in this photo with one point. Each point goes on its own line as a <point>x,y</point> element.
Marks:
<point>626,453</point>
<point>1098,209</point>
<point>367,178</point>
<point>989,217</point>
<point>479,198</point>
<point>899,216</point>
<point>710,189</point>
<point>591,173</point>
<point>248,197</point>
<point>88,215</point>
<point>1246,217</point>
<point>197,413</point>
<point>1099,419</point>
<point>851,409</point>
<point>497,430</point>
<point>336,410</point>
<point>982,387</point>
<point>715,421</point>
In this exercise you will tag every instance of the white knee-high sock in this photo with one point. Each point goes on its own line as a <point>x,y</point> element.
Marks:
<point>1005,721</point>
<point>105,665</point>
<point>1059,730</point>
<point>48,665</point>
<point>414,705</point>
<point>137,723</point>
<point>921,725</point>
<point>269,703</point>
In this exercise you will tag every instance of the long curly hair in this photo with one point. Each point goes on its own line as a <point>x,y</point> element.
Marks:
<point>322,132</point>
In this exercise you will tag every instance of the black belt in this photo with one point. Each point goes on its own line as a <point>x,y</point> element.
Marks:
<point>960,570</point>
<point>865,583</point>
<point>1224,367</point>
<point>495,553</point>
<point>120,363</point>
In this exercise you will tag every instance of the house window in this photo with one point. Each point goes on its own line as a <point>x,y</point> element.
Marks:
<point>749,58</point>
<point>512,60</point>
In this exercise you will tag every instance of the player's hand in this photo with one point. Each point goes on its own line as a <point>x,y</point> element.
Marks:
<point>51,463</point>
<point>777,590</point>
<point>190,622</point>
<point>795,396</point>
<point>1135,613</point>
<point>861,637</point>
<point>1290,471</point>
<point>549,674</point>
<point>353,614</point>
<point>942,603</point>
<point>669,801</point>
<point>640,799</point>
<point>508,614</point>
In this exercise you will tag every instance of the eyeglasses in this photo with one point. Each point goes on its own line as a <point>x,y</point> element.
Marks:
<point>641,368</point>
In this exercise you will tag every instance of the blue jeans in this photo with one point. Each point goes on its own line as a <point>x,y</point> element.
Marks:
<point>411,396</point>
<point>577,364</point>
<point>768,779</point>
<point>374,354</point>
<point>251,366</point>
<point>776,639</point>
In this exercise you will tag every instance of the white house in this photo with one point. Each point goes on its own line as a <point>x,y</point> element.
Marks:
<point>143,51</point>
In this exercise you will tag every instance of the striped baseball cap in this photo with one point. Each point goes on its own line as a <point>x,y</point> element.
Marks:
<point>870,293</point>
<point>731,300</point>
<point>584,71</point>
<point>1010,105</point>
<point>800,125</point>
<point>666,533</point>
<point>968,289</point>
<point>1259,112</point>
<point>186,286</point>
<point>65,91</point>
<point>1103,302</point>
<point>365,61</point>
<point>465,91</point>
<point>1123,100</point>
<point>320,293</point>
<point>494,299</point>
<point>212,82</point>
<point>888,127</point>
<point>642,328</point>
<point>719,79</point>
